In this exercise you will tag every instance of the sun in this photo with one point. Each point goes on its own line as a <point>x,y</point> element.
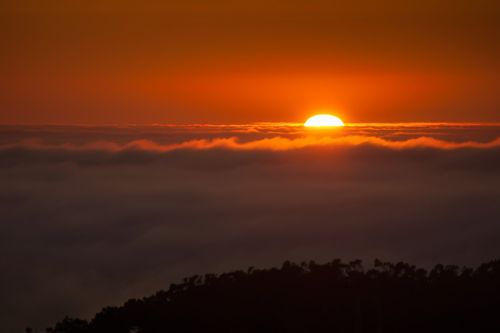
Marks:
<point>324,120</point>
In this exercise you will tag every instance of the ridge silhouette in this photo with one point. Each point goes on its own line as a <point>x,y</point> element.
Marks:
<point>311,297</point>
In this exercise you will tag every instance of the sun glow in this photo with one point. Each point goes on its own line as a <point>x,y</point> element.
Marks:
<point>324,120</point>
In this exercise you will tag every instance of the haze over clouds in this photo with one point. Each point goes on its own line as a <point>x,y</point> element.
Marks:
<point>92,216</point>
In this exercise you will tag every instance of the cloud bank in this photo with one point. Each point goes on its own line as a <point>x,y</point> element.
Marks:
<point>93,216</point>
<point>275,144</point>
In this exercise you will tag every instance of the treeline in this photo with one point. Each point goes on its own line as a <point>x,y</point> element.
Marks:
<point>311,297</point>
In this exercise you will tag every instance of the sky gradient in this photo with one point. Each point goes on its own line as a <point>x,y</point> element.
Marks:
<point>131,62</point>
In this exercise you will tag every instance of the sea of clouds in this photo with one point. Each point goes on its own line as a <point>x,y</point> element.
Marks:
<point>92,216</point>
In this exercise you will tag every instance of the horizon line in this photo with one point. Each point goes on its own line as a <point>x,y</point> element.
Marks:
<point>291,124</point>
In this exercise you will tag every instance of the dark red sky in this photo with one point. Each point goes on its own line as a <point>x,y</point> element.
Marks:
<point>243,61</point>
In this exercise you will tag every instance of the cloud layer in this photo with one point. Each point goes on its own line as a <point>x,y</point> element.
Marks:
<point>93,216</point>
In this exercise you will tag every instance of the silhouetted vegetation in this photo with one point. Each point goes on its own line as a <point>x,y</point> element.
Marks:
<point>311,297</point>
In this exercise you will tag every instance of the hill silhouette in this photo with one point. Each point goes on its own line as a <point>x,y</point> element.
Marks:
<point>311,297</point>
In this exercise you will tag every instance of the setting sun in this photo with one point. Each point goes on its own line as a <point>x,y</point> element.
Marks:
<point>324,120</point>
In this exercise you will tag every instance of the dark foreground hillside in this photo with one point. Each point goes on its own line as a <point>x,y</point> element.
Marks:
<point>332,297</point>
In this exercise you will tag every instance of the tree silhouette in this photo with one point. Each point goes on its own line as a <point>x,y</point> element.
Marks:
<point>312,297</point>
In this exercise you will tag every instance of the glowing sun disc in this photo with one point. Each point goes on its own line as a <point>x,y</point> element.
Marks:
<point>324,120</point>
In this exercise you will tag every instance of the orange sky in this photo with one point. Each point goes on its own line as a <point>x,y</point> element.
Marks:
<point>224,61</point>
